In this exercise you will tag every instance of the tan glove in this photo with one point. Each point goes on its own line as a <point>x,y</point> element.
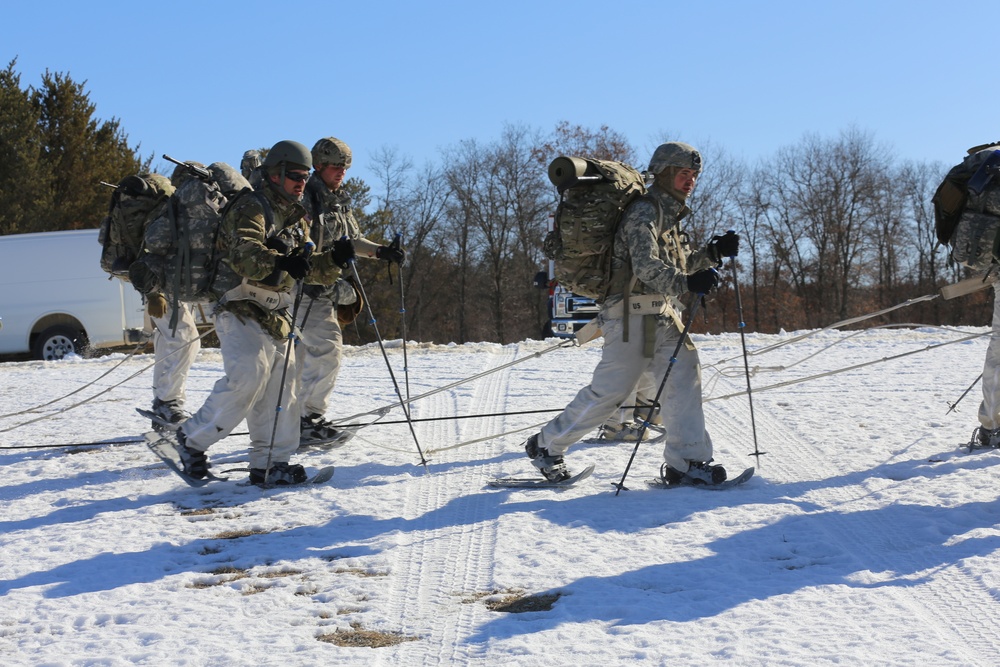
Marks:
<point>347,313</point>
<point>156,305</point>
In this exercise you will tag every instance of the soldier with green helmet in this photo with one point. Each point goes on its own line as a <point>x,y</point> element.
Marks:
<point>652,265</point>
<point>264,247</point>
<point>327,308</point>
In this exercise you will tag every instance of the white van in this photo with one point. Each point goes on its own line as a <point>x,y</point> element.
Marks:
<point>55,299</point>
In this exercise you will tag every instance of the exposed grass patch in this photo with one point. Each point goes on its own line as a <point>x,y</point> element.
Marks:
<point>279,573</point>
<point>514,602</point>
<point>253,589</point>
<point>225,574</point>
<point>360,572</point>
<point>236,534</point>
<point>201,511</point>
<point>360,638</point>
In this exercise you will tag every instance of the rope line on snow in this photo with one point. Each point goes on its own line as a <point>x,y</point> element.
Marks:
<point>719,368</point>
<point>90,398</point>
<point>847,368</point>
<point>80,388</point>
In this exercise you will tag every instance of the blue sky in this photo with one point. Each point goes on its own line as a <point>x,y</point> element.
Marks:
<point>206,80</point>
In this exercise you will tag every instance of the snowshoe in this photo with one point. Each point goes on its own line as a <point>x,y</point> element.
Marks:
<point>553,468</point>
<point>623,432</point>
<point>280,474</point>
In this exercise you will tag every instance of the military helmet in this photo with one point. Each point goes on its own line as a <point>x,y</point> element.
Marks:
<point>674,154</point>
<point>332,151</point>
<point>288,154</point>
<point>251,160</point>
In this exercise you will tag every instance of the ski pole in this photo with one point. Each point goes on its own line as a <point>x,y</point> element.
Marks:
<point>656,399</point>
<point>952,406</point>
<point>746,364</point>
<point>404,404</point>
<point>284,369</point>
<point>398,242</point>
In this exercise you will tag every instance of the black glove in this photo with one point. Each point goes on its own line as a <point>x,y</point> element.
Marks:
<point>343,252</point>
<point>279,244</point>
<point>295,264</point>
<point>391,253</point>
<point>727,245</point>
<point>703,281</point>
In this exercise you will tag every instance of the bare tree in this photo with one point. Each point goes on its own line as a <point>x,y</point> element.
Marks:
<point>413,206</point>
<point>499,192</point>
<point>601,144</point>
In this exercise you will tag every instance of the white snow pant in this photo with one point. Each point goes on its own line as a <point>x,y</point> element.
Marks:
<point>616,376</point>
<point>989,409</point>
<point>253,362</point>
<point>174,352</point>
<point>644,392</point>
<point>318,354</point>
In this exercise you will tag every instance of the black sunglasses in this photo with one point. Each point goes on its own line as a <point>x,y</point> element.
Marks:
<point>298,176</point>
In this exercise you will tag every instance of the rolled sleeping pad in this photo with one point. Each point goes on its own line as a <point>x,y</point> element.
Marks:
<point>564,171</point>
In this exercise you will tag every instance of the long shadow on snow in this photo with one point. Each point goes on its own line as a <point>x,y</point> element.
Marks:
<point>770,561</point>
<point>108,571</point>
<point>337,538</point>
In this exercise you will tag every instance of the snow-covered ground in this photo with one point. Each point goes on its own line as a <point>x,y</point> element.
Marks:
<point>867,537</point>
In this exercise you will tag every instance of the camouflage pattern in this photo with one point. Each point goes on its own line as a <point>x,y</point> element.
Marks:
<point>182,174</point>
<point>230,181</point>
<point>179,244</point>
<point>335,209</point>
<point>953,193</point>
<point>331,151</point>
<point>653,248</point>
<point>243,241</point>
<point>973,239</point>
<point>251,160</point>
<point>674,154</point>
<point>133,203</point>
<point>585,224</point>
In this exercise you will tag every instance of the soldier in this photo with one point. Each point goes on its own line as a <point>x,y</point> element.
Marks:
<point>264,248</point>
<point>176,340</point>
<point>653,264</point>
<point>175,350</point>
<point>319,321</point>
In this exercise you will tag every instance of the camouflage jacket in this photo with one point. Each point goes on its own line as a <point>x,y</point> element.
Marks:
<point>332,217</point>
<point>336,209</point>
<point>247,229</point>
<point>661,258</point>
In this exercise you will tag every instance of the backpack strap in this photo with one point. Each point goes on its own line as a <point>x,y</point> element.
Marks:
<point>178,262</point>
<point>316,208</point>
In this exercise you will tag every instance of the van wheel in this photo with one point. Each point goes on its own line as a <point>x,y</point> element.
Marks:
<point>57,342</point>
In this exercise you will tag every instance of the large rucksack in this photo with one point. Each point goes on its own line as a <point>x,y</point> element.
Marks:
<point>593,194</point>
<point>134,202</point>
<point>967,207</point>
<point>179,245</point>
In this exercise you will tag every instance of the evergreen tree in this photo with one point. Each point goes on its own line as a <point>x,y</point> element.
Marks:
<point>77,153</point>
<point>20,186</point>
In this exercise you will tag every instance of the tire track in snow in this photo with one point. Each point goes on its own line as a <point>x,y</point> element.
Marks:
<point>935,595</point>
<point>455,529</point>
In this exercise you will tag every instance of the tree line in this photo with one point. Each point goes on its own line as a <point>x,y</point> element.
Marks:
<point>831,227</point>
<point>54,154</point>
